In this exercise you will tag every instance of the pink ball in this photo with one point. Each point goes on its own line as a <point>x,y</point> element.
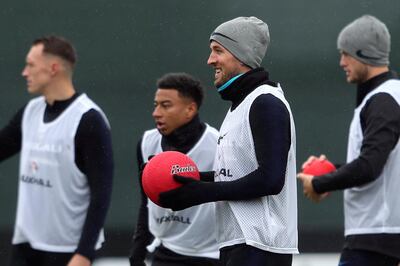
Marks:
<point>319,167</point>
<point>158,173</point>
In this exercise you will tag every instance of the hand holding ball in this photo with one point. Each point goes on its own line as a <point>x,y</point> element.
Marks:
<point>158,173</point>
<point>319,167</point>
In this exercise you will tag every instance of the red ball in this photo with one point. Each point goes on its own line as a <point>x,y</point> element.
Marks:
<point>319,167</point>
<point>158,173</point>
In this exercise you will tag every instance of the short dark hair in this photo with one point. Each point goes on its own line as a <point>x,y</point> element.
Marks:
<point>186,85</point>
<point>58,46</point>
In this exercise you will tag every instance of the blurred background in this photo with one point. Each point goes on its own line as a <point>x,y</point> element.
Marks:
<point>124,46</point>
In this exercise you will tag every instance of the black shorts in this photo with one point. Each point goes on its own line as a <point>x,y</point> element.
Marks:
<point>245,255</point>
<point>352,257</point>
<point>165,257</point>
<point>24,255</point>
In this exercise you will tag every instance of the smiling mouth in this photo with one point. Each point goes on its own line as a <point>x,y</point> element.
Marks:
<point>217,72</point>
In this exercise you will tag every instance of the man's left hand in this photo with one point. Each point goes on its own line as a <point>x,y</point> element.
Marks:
<point>308,188</point>
<point>191,193</point>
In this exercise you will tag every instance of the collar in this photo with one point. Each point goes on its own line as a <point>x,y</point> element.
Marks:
<point>364,88</point>
<point>62,104</point>
<point>243,85</point>
<point>229,82</point>
<point>54,110</point>
<point>184,138</point>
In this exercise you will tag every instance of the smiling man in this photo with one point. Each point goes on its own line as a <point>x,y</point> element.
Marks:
<point>187,237</point>
<point>255,164</point>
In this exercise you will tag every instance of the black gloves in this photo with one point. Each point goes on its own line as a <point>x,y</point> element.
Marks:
<point>207,176</point>
<point>191,193</point>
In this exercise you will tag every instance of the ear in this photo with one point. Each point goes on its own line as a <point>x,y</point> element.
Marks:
<point>191,110</point>
<point>55,68</point>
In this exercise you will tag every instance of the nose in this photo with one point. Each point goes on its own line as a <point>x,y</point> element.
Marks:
<point>156,112</point>
<point>342,61</point>
<point>24,72</point>
<point>211,59</point>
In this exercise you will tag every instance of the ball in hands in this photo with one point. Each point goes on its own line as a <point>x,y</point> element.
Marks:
<point>157,176</point>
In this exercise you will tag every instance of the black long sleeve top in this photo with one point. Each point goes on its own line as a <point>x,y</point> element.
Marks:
<point>93,156</point>
<point>380,123</point>
<point>270,127</point>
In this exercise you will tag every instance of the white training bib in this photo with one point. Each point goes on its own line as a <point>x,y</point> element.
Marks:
<point>374,207</point>
<point>189,232</point>
<point>268,223</point>
<point>53,195</point>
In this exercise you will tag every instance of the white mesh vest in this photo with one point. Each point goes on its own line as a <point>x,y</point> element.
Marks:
<point>53,195</point>
<point>192,231</point>
<point>268,223</point>
<point>374,207</point>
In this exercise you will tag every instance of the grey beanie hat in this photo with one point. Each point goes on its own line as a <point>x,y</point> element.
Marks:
<point>367,39</point>
<point>247,38</point>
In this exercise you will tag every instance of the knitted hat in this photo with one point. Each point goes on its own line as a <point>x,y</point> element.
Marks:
<point>247,38</point>
<point>367,39</point>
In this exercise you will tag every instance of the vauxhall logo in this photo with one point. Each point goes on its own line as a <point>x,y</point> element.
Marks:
<point>224,172</point>
<point>36,181</point>
<point>173,218</point>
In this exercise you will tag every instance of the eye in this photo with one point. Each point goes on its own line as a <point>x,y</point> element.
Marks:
<point>166,105</point>
<point>218,51</point>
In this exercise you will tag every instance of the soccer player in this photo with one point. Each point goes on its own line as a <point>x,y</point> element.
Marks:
<point>371,177</point>
<point>66,164</point>
<point>255,163</point>
<point>187,237</point>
